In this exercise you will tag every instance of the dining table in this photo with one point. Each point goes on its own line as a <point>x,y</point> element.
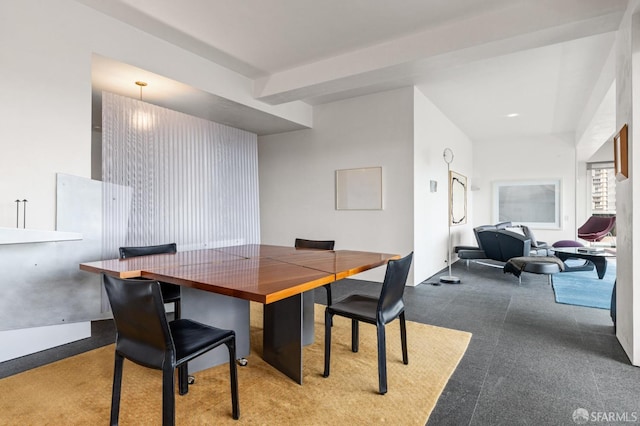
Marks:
<point>218,285</point>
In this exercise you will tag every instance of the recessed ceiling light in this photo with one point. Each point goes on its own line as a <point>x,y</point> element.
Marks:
<point>513,114</point>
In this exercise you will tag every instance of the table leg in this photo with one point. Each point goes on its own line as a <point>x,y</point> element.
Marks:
<point>282,339</point>
<point>308,318</point>
<point>601,265</point>
<point>600,262</point>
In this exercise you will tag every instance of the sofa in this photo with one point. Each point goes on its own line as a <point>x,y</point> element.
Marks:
<point>501,244</point>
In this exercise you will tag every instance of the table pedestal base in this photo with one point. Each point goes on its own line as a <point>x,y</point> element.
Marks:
<point>219,311</point>
<point>282,340</point>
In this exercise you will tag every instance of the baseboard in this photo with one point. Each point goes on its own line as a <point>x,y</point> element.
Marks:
<point>26,341</point>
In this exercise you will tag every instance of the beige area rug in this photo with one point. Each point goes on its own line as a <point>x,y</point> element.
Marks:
<point>77,390</point>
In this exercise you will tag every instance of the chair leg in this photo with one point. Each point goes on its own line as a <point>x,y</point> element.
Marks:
<point>168,397</point>
<point>382,359</point>
<point>329,299</point>
<point>233,376</point>
<point>177,309</point>
<point>117,385</point>
<point>355,336</point>
<point>328,318</point>
<point>183,374</point>
<point>403,339</point>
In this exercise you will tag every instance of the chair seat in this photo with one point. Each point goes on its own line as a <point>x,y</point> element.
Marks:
<point>357,306</point>
<point>190,338</point>
<point>364,308</point>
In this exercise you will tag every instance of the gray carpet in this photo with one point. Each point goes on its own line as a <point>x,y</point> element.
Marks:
<point>530,361</point>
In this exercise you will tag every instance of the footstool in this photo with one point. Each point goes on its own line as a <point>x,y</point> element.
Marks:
<point>543,265</point>
<point>567,243</point>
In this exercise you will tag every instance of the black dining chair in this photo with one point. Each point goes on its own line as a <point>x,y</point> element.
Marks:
<point>170,292</point>
<point>146,337</point>
<point>318,245</point>
<point>374,310</point>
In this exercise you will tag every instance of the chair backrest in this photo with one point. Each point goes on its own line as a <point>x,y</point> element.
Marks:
<point>391,303</point>
<point>513,245</point>
<point>479,229</point>
<point>502,245</point>
<point>126,252</point>
<point>487,241</point>
<point>142,330</point>
<point>314,244</point>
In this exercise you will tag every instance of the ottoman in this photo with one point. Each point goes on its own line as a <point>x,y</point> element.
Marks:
<point>543,265</point>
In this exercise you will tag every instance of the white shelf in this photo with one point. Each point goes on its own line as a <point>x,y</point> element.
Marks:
<point>27,236</point>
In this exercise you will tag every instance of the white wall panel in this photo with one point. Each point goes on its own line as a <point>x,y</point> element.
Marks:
<point>433,132</point>
<point>191,181</point>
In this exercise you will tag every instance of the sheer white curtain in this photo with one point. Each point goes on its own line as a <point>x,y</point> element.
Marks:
<point>170,177</point>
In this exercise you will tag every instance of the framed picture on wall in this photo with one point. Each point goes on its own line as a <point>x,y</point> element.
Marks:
<point>621,154</point>
<point>457,198</point>
<point>359,189</point>
<point>535,203</point>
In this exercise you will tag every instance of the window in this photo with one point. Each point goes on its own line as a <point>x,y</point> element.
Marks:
<point>603,188</point>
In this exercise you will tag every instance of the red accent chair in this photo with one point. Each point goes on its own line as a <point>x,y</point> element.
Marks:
<point>596,228</point>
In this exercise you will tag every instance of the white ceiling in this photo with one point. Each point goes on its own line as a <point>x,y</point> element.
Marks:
<point>476,60</point>
<point>115,77</point>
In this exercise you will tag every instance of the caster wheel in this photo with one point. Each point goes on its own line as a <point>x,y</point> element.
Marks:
<point>242,362</point>
<point>191,380</point>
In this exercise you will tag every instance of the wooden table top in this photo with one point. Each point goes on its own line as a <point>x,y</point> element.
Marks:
<point>259,279</point>
<point>261,273</point>
<point>258,250</point>
<point>134,266</point>
<point>342,263</point>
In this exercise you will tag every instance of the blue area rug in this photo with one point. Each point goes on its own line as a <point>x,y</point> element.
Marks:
<point>584,288</point>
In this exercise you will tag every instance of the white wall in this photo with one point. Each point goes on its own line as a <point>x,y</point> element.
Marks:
<point>400,130</point>
<point>45,81</point>
<point>627,211</point>
<point>433,132</point>
<point>527,158</point>
<point>297,176</point>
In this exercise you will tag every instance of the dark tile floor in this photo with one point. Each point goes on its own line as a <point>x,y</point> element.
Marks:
<point>531,361</point>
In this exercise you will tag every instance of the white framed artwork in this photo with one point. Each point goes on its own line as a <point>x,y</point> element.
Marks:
<point>359,189</point>
<point>534,203</point>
